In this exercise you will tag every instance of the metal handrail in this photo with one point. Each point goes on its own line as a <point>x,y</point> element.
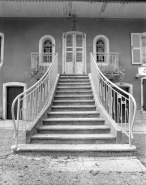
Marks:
<point>119,104</point>
<point>32,102</point>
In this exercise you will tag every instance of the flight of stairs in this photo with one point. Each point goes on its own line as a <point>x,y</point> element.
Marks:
<point>74,126</point>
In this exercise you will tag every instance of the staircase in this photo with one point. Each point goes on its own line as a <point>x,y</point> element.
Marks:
<point>74,125</point>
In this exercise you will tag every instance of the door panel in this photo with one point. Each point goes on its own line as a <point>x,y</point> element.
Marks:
<point>69,54</point>
<point>79,54</point>
<point>12,92</point>
<point>74,53</point>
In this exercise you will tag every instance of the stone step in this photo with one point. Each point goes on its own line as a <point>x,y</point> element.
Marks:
<point>73,129</point>
<point>73,108</point>
<point>73,85</point>
<point>73,89</point>
<point>98,150</point>
<point>74,121</point>
<point>73,77</point>
<point>73,138</point>
<point>75,114</point>
<point>73,97</point>
<point>85,92</point>
<point>73,102</point>
<point>74,81</point>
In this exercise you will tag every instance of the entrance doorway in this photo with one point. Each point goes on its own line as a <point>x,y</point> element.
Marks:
<point>10,91</point>
<point>74,44</point>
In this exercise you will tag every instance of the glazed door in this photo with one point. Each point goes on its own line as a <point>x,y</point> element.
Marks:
<point>12,92</point>
<point>74,53</point>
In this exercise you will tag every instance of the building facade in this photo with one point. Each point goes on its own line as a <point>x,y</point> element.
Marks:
<point>27,30</point>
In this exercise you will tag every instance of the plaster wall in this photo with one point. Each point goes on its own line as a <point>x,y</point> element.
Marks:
<point>22,37</point>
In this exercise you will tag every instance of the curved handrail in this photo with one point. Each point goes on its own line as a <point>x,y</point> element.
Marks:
<point>28,91</point>
<point>111,85</point>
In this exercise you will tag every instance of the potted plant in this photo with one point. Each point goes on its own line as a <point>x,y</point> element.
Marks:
<point>36,73</point>
<point>114,73</point>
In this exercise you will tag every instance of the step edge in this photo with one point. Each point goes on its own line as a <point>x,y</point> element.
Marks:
<point>73,136</point>
<point>73,119</point>
<point>79,147</point>
<point>65,127</point>
<point>75,112</point>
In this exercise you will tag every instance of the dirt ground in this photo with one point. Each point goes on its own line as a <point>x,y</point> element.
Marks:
<point>36,170</point>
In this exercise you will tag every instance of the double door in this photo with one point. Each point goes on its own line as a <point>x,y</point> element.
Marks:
<point>74,52</point>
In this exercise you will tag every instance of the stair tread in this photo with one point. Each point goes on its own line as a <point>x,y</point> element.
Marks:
<point>73,136</point>
<point>73,84</point>
<point>73,119</point>
<point>82,87</point>
<point>73,100</point>
<point>87,91</point>
<point>74,75</point>
<point>76,147</point>
<point>72,127</point>
<point>75,112</point>
<point>66,96</point>
<point>74,80</point>
<point>73,106</point>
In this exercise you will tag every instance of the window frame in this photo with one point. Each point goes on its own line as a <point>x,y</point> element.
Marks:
<point>106,42</point>
<point>41,47</point>
<point>140,48</point>
<point>2,49</point>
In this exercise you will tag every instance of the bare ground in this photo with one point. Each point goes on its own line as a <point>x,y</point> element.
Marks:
<point>36,170</point>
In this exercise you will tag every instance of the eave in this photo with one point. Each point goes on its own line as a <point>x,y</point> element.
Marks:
<point>66,8</point>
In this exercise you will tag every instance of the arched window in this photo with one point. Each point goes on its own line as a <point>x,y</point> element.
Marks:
<point>48,46</point>
<point>101,49</point>
<point>46,49</point>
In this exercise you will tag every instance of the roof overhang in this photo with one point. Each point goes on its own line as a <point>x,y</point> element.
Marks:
<point>82,8</point>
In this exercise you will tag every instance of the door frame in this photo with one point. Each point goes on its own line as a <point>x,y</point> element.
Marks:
<point>123,84</point>
<point>5,86</point>
<point>63,50</point>
<point>142,101</point>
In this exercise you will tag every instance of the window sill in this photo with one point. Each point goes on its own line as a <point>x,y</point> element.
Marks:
<point>102,64</point>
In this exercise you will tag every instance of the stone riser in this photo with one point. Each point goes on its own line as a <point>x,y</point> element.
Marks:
<point>76,153</point>
<point>74,81</point>
<point>73,109</point>
<point>63,75</point>
<point>94,131</point>
<point>73,122</point>
<point>73,93</point>
<point>73,89</point>
<point>74,98</point>
<point>73,103</point>
<point>73,141</point>
<point>72,85</point>
<point>73,77</point>
<point>50,115</point>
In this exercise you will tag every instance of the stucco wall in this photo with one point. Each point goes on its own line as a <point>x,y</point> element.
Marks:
<point>22,37</point>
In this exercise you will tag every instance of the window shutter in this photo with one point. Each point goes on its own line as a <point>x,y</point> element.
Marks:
<point>136,48</point>
<point>0,48</point>
<point>143,48</point>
